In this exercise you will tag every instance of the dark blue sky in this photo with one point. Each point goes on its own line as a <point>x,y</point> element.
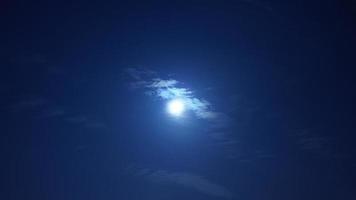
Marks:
<point>269,88</point>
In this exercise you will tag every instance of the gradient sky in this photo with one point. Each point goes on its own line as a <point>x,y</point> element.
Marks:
<point>268,85</point>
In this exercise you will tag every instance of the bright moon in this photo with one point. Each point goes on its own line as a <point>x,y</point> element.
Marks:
<point>175,107</point>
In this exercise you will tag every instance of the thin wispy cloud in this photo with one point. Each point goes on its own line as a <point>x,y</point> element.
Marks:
<point>41,108</point>
<point>85,121</point>
<point>187,180</point>
<point>312,141</point>
<point>219,126</point>
<point>52,113</point>
<point>27,104</point>
<point>168,89</point>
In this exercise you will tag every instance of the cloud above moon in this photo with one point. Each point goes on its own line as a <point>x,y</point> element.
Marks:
<point>169,89</point>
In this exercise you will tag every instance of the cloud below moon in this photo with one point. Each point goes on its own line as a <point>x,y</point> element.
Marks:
<point>187,180</point>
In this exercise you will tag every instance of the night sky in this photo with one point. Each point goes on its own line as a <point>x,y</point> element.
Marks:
<point>268,88</point>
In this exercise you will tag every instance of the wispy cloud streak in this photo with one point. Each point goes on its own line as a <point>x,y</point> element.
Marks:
<point>42,109</point>
<point>168,89</point>
<point>187,180</point>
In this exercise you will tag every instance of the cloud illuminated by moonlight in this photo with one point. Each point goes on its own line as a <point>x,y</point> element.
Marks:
<point>168,89</point>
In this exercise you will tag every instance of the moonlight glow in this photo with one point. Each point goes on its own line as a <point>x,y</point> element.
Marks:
<point>175,107</point>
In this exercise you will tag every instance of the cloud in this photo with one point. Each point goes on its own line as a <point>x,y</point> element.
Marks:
<point>139,74</point>
<point>167,89</point>
<point>312,141</point>
<point>27,104</point>
<point>85,121</point>
<point>219,123</point>
<point>260,4</point>
<point>52,113</point>
<point>187,180</point>
<point>42,109</point>
<point>37,58</point>
<point>158,83</point>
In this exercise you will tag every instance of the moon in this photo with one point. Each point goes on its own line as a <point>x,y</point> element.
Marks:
<point>175,107</point>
